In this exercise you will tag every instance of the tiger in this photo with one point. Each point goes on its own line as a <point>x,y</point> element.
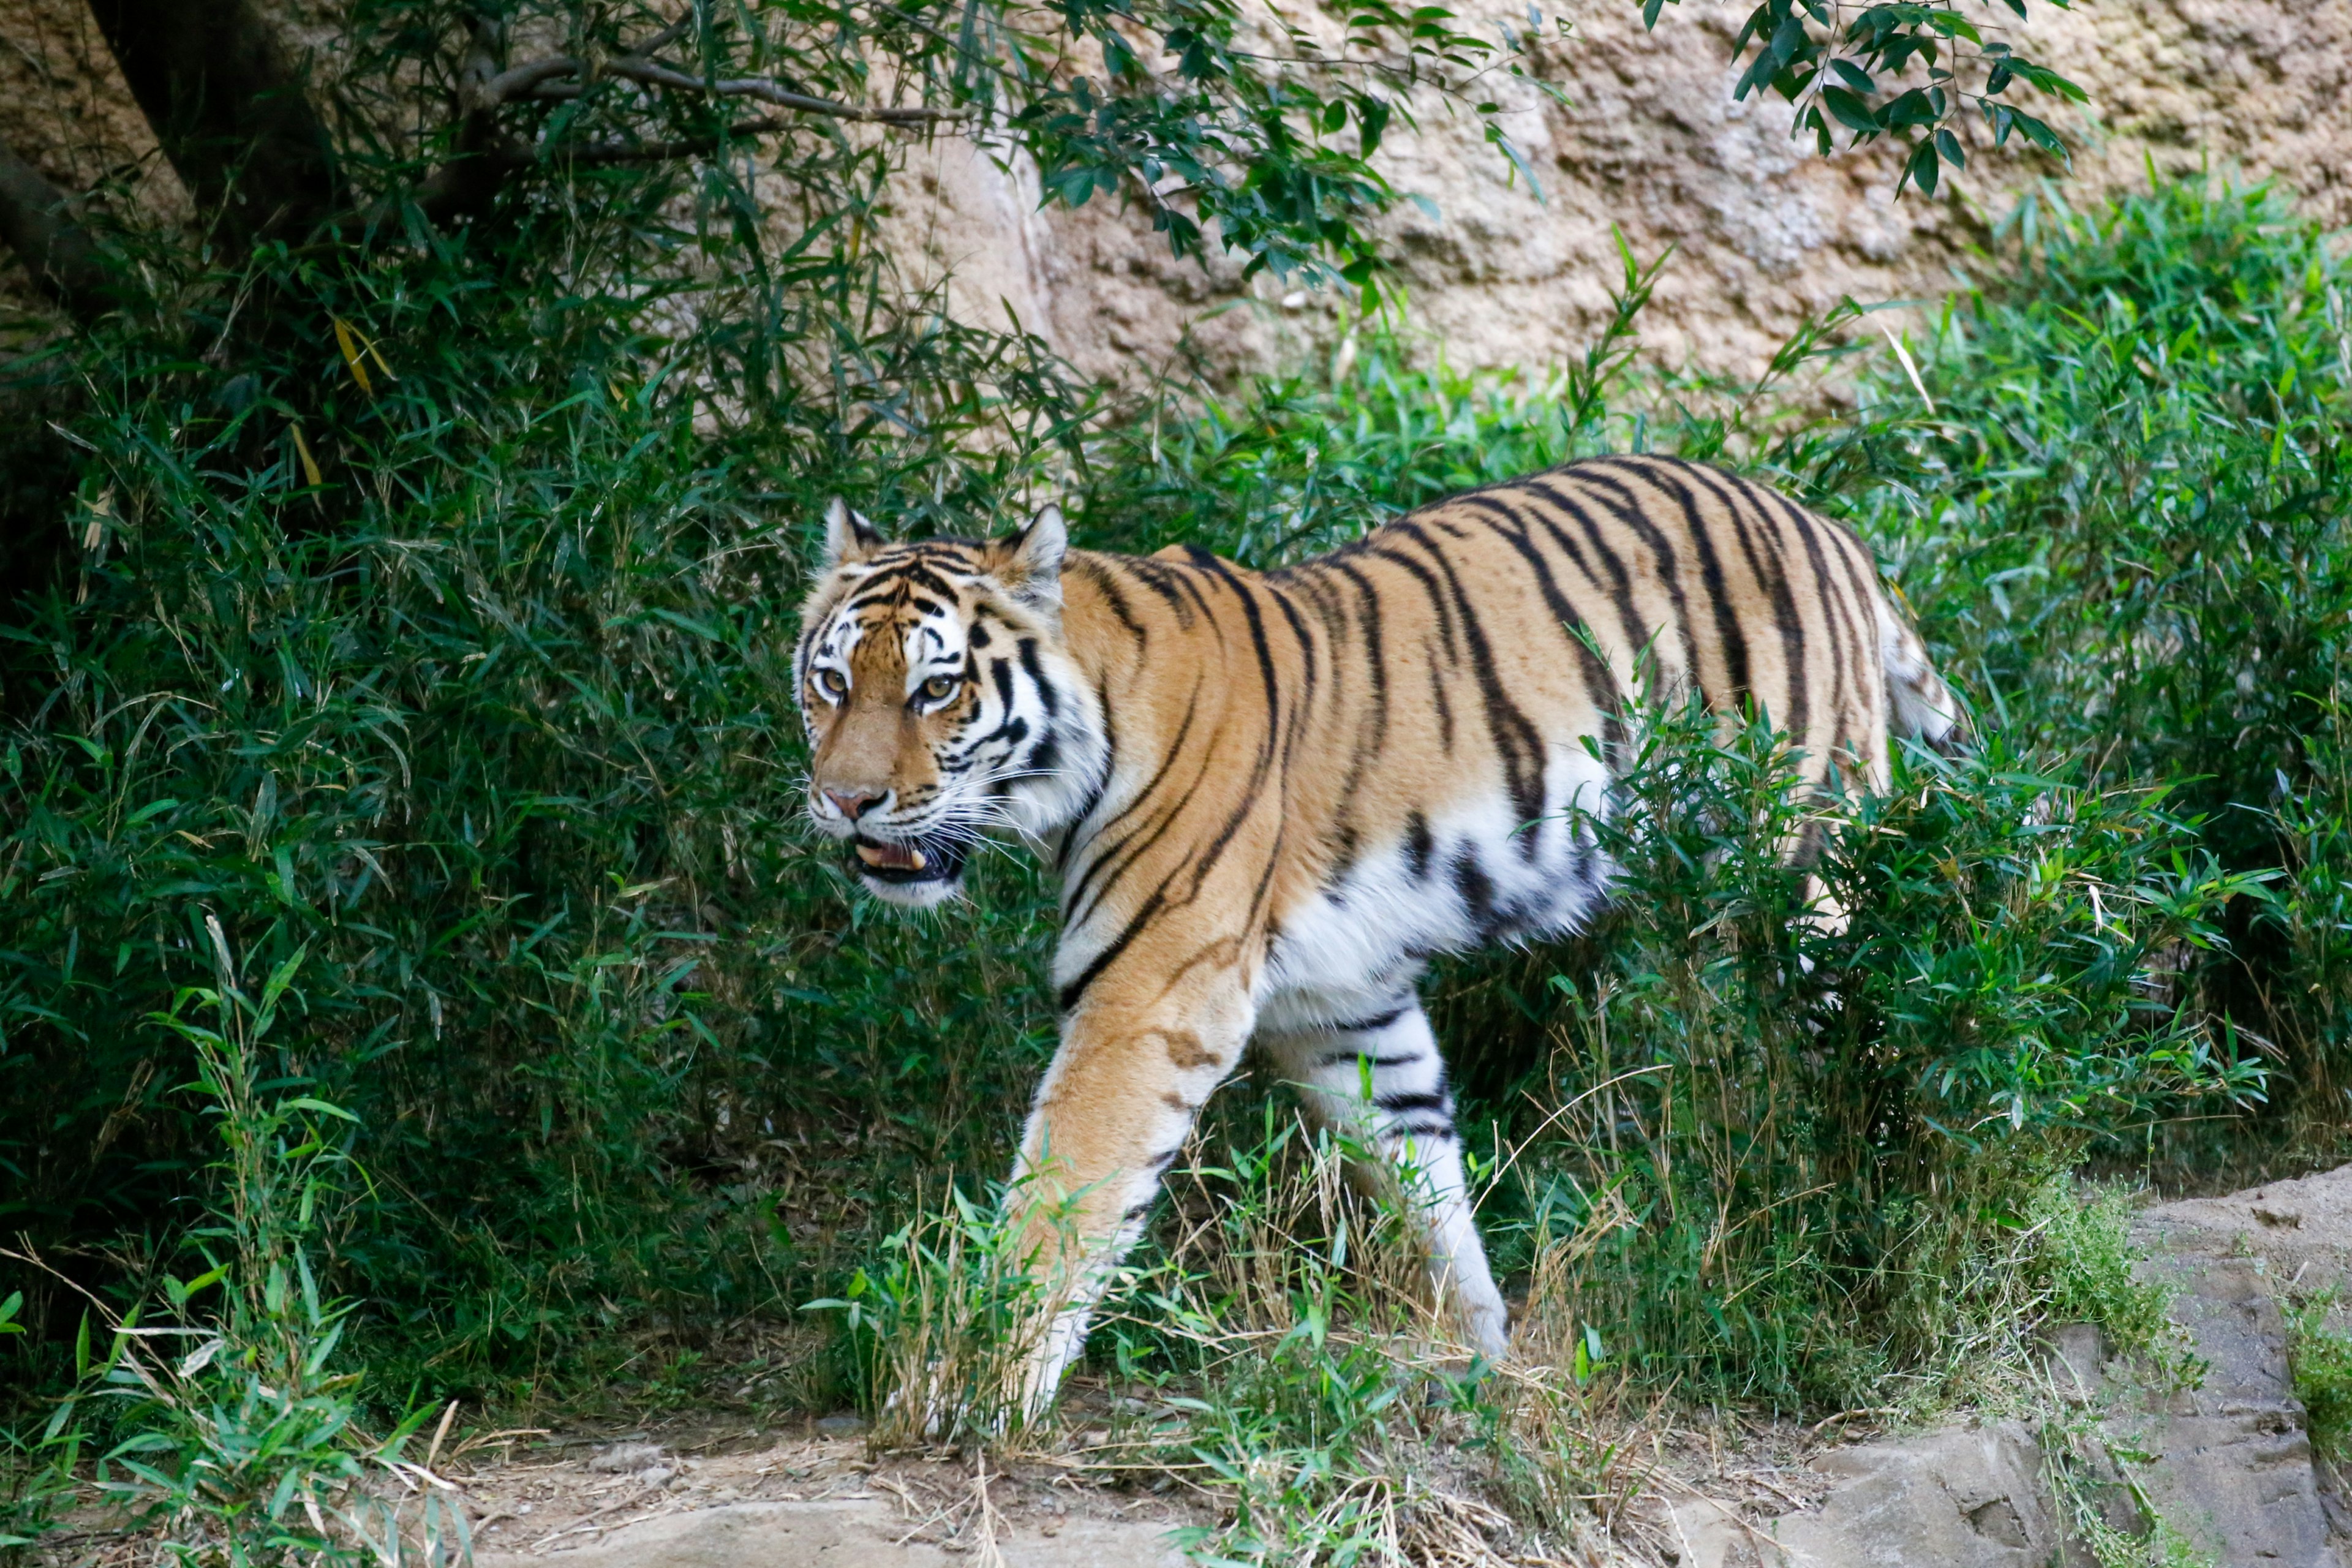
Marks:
<point>1272,797</point>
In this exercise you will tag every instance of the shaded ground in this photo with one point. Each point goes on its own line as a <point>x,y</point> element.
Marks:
<point>2223,1460</point>
<point>809,1492</point>
<point>2227,1464</point>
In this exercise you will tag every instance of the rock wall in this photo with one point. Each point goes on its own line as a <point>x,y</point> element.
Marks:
<point>1650,143</point>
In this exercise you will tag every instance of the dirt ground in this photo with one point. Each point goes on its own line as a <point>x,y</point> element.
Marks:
<point>1680,1488</point>
<point>556,1494</point>
<point>687,1495</point>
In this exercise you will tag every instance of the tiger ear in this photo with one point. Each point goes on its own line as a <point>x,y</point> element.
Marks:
<point>1029,564</point>
<point>847,536</point>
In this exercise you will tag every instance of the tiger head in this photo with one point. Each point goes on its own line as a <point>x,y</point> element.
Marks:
<point>941,700</point>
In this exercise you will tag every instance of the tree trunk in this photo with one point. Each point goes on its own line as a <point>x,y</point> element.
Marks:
<point>227,104</point>
<point>38,222</point>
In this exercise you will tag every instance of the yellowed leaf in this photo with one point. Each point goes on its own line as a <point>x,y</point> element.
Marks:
<point>348,341</point>
<point>302,450</point>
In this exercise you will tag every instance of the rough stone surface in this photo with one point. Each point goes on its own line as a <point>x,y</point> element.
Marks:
<point>2227,1465</point>
<point>1947,1499</point>
<point>2297,1234</point>
<point>1650,142</point>
<point>1965,1499</point>
<point>2232,1467</point>
<point>846,1535</point>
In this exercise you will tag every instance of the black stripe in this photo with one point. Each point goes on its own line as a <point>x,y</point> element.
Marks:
<point>1600,686</point>
<point>1077,989</point>
<point>1517,738</point>
<point>1161,579</point>
<point>1046,692</point>
<point>1612,493</point>
<point>1398,1104</point>
<point>1355,1053</point>
<point>1739,499</point>
<point>1729,637</point>
<point>1122,855</point>
<point>1477,889</point>
<point>1419,846</point>
<point>1847,658</point>
<point>1014,729</point>
<point>1108,585</point>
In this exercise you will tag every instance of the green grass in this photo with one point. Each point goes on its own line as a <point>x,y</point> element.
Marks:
<point>2319,1357</point>
<point>489,724</point>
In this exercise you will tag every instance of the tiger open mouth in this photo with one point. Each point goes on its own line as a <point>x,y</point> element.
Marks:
<point>923,860</point>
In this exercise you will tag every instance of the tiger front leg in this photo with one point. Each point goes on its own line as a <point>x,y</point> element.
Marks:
<point>1111,1116</point>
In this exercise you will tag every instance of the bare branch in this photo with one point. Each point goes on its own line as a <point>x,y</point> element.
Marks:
<point>485,157</point>
<point>466,183</point>
<point>38,222</point>
<point>655,74</point>
<point>544,78</point>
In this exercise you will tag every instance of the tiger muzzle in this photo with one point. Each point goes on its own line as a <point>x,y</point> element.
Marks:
<point>909,862</point>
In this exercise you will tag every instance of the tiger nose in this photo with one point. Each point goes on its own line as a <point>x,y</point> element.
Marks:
<point>852,803</point>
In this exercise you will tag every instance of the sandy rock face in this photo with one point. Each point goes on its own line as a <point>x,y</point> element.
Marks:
<point>1650,143</point>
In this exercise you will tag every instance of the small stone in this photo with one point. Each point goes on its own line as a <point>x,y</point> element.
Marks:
<point>844,1425</point>
<point>656,1475</point>
<point>625,1459</point>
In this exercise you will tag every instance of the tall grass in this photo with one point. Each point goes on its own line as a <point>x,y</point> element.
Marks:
<point>221,1413</point>
<point>432,627</point>
<point>484,718</point>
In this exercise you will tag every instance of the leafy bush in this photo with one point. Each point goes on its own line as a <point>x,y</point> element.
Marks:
<point>437,630</point>
<point>485,719</point>
<point>2319,1356</point>
<point>1800,1137</point>
<point>222,1416</point>
<point>2124,527</point>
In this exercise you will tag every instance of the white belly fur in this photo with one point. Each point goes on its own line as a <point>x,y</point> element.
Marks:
<point>1361,942</point>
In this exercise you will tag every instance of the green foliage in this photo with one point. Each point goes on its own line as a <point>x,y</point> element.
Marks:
<point>484,720</point>
<point>1768,1124</point>
<point>940,1328</point>
<point>481,714</point>
<point>1207,117</point>
<point>221,1418</point>
<point>1845,67</point>
<point>2055,938</point>
<point>2089,1257</point>
<point>1279,1317</point>
<point>2319,1359</point>
<point>2123,527</point>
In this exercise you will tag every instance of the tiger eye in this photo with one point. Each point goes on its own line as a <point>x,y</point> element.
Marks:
<point>829,681</point>
<point>939,687</point>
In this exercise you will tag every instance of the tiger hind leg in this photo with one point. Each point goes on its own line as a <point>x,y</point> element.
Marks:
<point>1379,1078</point>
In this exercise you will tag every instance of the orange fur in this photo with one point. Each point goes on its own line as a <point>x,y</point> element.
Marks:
<point>1272,796</point>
